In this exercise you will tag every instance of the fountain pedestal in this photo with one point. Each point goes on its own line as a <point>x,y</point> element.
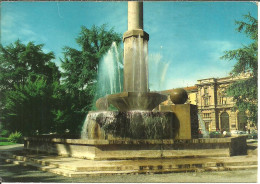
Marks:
<point>129,101</point>
<point>188,118</point>
<point>135,51</point>
<point>136,61</point>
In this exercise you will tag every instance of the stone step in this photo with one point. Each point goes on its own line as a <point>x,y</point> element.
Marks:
<point>65,172</point>
<point>67,169</point>
<point>152,166</point>
<point>240,163</point>
<point>231,168</point>
<point>243,167</point>
<point>26,163</point>
<point>215,169</point>
<point>125,164</point>
<point>69,173</point>
<point>93,173</point>
<point>22,160</point>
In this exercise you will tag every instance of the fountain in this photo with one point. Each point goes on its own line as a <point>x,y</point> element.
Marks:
<point>157,72</point>
<point>136,102</point>
<point>138,131</point>
<point>205,133</point>
<point>110,72</point>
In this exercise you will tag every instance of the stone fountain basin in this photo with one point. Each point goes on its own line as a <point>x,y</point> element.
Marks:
<point>136,124</point>
<point>132,149</point>
<point>127,101</point>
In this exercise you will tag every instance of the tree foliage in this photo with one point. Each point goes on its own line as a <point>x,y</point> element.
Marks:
<point>34,97</point>
<point>27,80</point>
<point>80,66</point>
<point>18,62</point>
<point>80,69</point>
<point>27,108</point>
<point>244,92</point>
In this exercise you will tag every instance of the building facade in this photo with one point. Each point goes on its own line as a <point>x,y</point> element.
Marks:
<point>215,108</point>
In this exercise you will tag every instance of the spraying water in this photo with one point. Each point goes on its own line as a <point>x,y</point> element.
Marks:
<point>205,133</point>
<point>110,72</point>
<point>157,72</point>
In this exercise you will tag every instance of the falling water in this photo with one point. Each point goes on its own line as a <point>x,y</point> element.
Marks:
<point>84,133</point>
<point>140,60</point>
<point>131,124</point>
<point>134,60</point>
<point>146,61</point>
<point>205,133</point>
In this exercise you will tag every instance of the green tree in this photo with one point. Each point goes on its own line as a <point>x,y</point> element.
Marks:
<point>80,66</point>
<point>19,61</point>
<point>244,92</point>
<point>27,81</point>
<point>28,107</point>
<point>80,70</point>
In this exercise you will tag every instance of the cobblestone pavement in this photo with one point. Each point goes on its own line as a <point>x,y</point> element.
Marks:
<point>15,173</point>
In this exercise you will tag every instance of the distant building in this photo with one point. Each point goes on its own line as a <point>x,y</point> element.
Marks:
<point>216,109</point>
<point>192,95</point>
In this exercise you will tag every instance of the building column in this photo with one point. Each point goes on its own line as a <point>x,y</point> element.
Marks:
<point>213,121</point>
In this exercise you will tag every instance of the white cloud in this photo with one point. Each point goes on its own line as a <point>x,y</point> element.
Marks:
<point>14,26</point>
<point>188,67</point>
<point>217,48</point>
<point>7,21</point>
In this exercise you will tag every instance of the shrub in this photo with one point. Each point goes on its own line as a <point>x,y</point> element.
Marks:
<point>4,133</point>
<point>252,136</point>
<point>215,134</point>
<point>15,137</point>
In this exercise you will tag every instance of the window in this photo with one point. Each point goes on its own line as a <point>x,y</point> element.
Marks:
<point>206,115</point>
<point>205,90</point>
<point>222,100</point>
<point>206,101</point>
<point>207,125</point>
<point>224,120</point>
<point>233,126</point>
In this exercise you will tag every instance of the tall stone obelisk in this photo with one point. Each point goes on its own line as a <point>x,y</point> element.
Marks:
<point>135,51</point>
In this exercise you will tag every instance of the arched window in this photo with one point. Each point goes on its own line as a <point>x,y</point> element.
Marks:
<point>241,120</point>
<point>224,119</point>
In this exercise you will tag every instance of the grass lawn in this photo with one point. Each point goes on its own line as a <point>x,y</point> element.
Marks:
<point>3,139</point>
<point>6,143</point>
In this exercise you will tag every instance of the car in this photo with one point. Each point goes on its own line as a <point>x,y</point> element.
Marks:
<point>238,132</point>
<point>253,136</point>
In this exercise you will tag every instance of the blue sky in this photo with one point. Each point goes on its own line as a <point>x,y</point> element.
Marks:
<point>188,36</point>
